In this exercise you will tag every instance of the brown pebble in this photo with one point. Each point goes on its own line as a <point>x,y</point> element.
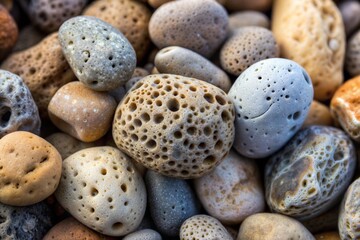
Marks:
<point>327,236</point>
<point>8,32</point>
<point>258,5</point>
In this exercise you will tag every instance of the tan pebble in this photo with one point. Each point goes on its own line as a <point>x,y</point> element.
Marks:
<point>272,226</point>
<point>178,126</point>
<point>258,5</point>
<point>312,34</point>
<point>43,68</point>
<point>352,61</point>
<point>350,11</point>
<point>324,222</point>
<point>8,32</point>
<point>233,191</point>
<point>130,17</point>
<point>30,168</point>
<point>345,107</point>
<point>81,112</point>
<point>319,114</point>
<point>70,228</point>
<point>184,62</point>
<point>327,236</point>
<point>246,47</point>
<point>208,17</point>
<point>246,19</point>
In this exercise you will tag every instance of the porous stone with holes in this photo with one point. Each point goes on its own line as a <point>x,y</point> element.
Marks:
<point>319,114</point>
<point>349,217</point>
<point>30,168</point>
<point>272,98</point>
<point>184,62</point>
<point>130,17</point>
<point>246,47</point>
<point>43,69</point>
<point>311,32</point>
<point>270,226</point>
<point>178,126</point>
<point>82,112</point>
<point>99,54</point>
<point>172,201</point>
<point>101,188</point>
<point>201,25</point>
<point>352,61</point>
<point>202,227</point>
<point>345,107</point>
<point>18,111</point>
<point>309,175</point>
<point>233,191</point>
<point>8,32</point>
<point>145,234</point>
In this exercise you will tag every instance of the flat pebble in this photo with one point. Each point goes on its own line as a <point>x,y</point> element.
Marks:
<point>18,111</point>
<point>319,114</point>
<point>352,61</point>
<point>82,112</point>
<point>272,98</point>
<point>101,188</point>
<point>172,201</point>
<point>8,32</point>
<point>310,174</point>
<point>178,126</point>
<point>233,191</point>
<point>99,54</point>
<point>145,234</point>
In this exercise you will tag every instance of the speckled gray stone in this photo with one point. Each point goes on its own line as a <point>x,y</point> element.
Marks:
<point>25,223</point>
<point>145,234</point>
<point>18,111</point>
<point>171,201</point>
<point>272,98</point>
<point>99,54</point>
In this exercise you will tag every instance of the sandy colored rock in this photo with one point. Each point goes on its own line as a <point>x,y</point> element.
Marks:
<point>82,112</point>
<point>327,236</point>
<point>258,5</point>
<point>8,32</point>
<point>350,12</point>
<point>272,226</point>
<point>30,169</point>
<point>319,114</point>
<point>246,47</point>
<point>178,126</point>
<point>233,191</point>
<point>312,34</point>
<point>203,227</point>
<point>184,62</point>
<point>352,61</point>
<point>130,17</point>
<point>345,107</point>
<point>101,188</point>
<point>70,228</point>
<point>247,18</point>
<point>208,17</point>
<point>43,68</point>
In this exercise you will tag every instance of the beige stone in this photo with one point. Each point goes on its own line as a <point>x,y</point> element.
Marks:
<point>319,114</point>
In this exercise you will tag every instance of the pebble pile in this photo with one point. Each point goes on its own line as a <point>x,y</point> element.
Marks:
<point>184,120</point>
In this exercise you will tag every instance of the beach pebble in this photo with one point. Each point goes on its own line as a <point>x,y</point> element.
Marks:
<point>145,234</point>
<point>72,229</point>
<point>130,17</point>
<point>8,32</point>
<point>312,34</point>
<point>206,16</point>
<point>82,112</point>
<point>203,227</point>
<point>345,107</point>
<point>327,236</point>
<point>319,114</point>
<point>101,188</point>
<point>30,168</point>
<point>184,62</point>
<point>18,111</point>
<point>272,226</point>
<point>99,54</point>
<point>258,5</point>
<point>178,126</point>
<point>233,191</point>
<point>172,201</point>
<point>43,69</point>
<point>350,12</point>
<point>25,223</point>
<point>246,47</point>
<point>352,61</point>
<point>247,18</point>
<point>272,98</point>
<point>309,175</point>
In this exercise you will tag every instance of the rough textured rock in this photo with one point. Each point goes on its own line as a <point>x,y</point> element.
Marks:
<point>172,201</point>
<point>352,61</point>
<point>320,162</point>
<point>233,191</point>
<point>18,111</point>
<point>99,54</point>
<point>145,234</point>
<point>272,98</point>
<point>84,191</point>
<point>178,126</point>
<point>247,18</point>
<point>30,168</point>
<point>206,16</point>
<point>312,34</point>
<point>350,12</point>
<point>319,114</point>
<point>8,32</point>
